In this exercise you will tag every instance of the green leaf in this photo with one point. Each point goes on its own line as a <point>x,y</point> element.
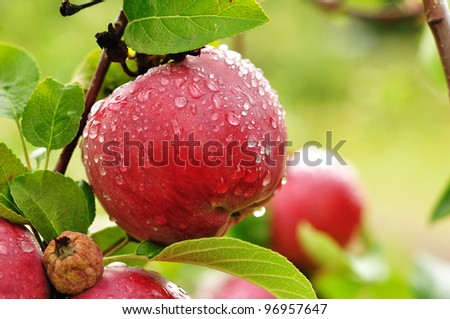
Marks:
<point>90,199</point>
<point>52,202</point>
<point>52,115</point>
<point>10,167</point>
<point>19,75</point>
<point>253,263</point>
<point>149,249</point>
<point>443,206</point>
<point>11,215</point>
<point>161,27</point>
<point>114,78</point>
<point>323,249</point>
<point>108,237</point>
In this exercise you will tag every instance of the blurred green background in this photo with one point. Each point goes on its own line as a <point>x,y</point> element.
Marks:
<point>379,88</point>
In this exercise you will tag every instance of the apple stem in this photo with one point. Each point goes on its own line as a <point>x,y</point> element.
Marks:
<point>91,97</point>
<point>438,19</point>
<point>116,246</point>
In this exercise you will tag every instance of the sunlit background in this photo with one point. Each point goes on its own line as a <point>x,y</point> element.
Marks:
<point>377,87</point>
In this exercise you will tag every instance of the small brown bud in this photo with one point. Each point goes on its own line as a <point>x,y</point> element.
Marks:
<point>73,262</point>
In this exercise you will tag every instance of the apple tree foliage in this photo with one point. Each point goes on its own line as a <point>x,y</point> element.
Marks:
<point>47,114</point>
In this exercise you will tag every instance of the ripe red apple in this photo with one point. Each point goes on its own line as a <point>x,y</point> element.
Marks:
<point>327,196</point>
<point>120,281</point>
<point>188,149</point>
<point>230,287</point>
<point>22,274</point>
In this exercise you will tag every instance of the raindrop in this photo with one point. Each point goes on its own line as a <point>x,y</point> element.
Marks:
<point>3,248</point>
<point>267,179</point>
<point>273,122</point>
<point>180,101</point>
<point>93,130</point>
<point>232,119</point>
<point>284,180</point>
<point>164,81</point>
<point>119,180</point>
<point>216,101</point>
<point>215,116</point>
<point>179,82</point>
<point>195,91</point>
<point>211,85</point>
<point>259,212</point>
<point>143,96</point>
<point>261,91</point>
<point>113,126</point>
<point>26,246</point>
<point>246,106</point>
<point>101,138</point>
<point>222,187</point>
<point>102,171</point>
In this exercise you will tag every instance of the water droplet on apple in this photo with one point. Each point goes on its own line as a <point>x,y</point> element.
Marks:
<point>261,91</point>
<point>179,82</point>
<point>284,180</point>
<point>195,91</point>
<point>26,246</point>
<point>164,81</point>
<point>215,116</point>
<point>222,186</point>
<point>113,126</point>
<point>267,179</point>
<point>273,122</point>
<point>102,171</point>
<point>93,130</point>
<point>217,102</point>
<point>177,128</point>
<point>233,119</point>
<point>211,85</point>
<point>119,180</point>
<point>259,212</point>
<point>3,248</point>
<point>101,138</point>
<point>180,101</point>
<point>143,96</point>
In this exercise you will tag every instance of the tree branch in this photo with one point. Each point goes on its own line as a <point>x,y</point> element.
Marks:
<point>438,19</point>
<point>91,97</point>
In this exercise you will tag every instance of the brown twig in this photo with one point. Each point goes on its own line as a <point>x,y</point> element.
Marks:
<point>91,97</point>
<point>438,19</point>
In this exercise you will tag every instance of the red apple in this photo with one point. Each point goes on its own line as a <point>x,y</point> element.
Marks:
<point>22,274</point>
<point>188,149</point>
<point>120,281</point>
<point>327,196</point>
<point>230,287</point>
